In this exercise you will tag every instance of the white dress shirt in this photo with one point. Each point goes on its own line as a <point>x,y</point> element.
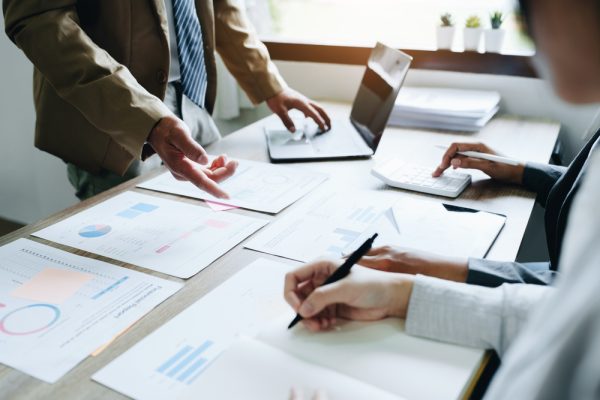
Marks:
<point>554,353</point>
<point>470,315</point>
<point>174,73</point>
<point>557,356</point>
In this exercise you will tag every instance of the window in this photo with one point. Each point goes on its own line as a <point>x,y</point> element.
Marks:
<point>409,24</point>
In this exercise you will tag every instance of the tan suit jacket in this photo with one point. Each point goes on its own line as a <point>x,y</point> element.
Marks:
<point>101,70</point>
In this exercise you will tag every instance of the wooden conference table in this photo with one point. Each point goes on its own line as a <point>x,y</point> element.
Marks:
<point>520,138</point>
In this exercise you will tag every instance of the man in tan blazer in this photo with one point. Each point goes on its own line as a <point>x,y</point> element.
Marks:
<point>116,81</point>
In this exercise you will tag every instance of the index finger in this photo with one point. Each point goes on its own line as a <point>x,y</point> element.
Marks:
<point>310,112</point>
<point>317,271</point>
<point>446,159</point>
<point>450,153</point>
<point>199,178</point>
<point>323,114</point>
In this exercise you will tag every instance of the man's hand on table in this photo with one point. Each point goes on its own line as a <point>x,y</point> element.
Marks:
<point>173,142</point>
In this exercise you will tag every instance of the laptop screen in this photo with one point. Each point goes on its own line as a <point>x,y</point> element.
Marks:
<point>386,70</point>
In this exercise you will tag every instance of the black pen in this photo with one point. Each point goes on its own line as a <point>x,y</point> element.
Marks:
<point>343,270</point>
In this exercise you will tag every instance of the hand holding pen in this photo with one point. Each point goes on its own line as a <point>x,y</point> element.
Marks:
<point>365,294</point>
<point>481,157</point>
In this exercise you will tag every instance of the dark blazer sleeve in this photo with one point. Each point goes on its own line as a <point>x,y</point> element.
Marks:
<point>495,273</point>
<point>540,178</point>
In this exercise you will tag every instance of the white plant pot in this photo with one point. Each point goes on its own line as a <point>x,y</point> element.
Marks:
<point>472,38</point>
<point>494,40</point>
<point>445,36</point>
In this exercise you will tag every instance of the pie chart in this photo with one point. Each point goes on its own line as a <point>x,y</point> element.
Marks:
<point>94,231</point>
<point>30,319</point>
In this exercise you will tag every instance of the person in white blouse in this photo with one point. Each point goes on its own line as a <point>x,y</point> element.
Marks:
<point>548,337</point>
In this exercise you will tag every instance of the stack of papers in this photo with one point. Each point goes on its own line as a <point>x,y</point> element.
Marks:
<point>446,109</point>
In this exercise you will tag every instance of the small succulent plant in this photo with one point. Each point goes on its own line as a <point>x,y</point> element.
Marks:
<point>446,19</point>
<point>496,19</point>
<point>473,22</point>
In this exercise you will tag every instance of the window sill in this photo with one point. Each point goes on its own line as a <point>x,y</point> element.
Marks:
<point>439,60</point>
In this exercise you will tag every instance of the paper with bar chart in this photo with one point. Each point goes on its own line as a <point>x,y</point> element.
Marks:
<point>323,225</point>
<point>56,307</point>
<point>172,358</point>
<point>255,186</point>
<point>163,235</point>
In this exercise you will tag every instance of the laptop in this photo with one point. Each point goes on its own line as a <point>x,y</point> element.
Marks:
<point>358,135</point>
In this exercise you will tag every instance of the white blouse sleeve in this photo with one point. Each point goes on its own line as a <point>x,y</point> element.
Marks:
<point>470,315</point>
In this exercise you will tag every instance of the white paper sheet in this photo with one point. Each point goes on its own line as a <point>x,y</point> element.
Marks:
<point>256,186</point>
<point>427,226</point>
<point>323,225</point>
<point>382,355</point>
<point>163,235</point>
<point>253,370</point>
<point>46,340</point>
<point>170,359</point>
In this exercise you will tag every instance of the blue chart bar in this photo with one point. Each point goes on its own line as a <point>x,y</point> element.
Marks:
<point>195,367</point>
<point>335,250</point>
<point>194,377</point>
<point>367,215</point>
<point>163,368</point>
<point>346,237</point>
<point>185,363</point>
<point>144,207</point>
<point>111,287</point>
<point>129,213</point>
<point>137,210</point>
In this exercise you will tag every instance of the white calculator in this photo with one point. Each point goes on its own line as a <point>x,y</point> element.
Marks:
<point>410,176</point>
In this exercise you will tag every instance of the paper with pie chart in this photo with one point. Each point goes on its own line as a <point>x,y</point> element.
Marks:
<point>255,186</point>
<point>56,308</point>
<point>163,235</point>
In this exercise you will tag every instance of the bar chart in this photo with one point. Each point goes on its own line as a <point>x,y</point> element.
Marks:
<point>186,364</point>
<point>345,238</point>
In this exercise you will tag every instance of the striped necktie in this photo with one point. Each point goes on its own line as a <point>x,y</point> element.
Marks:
<point>191,51</point>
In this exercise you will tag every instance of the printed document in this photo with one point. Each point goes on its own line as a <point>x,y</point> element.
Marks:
<point>56,308</point>
<point>172,358</point>
<point>163,235</point>
<point>255,186</point>
<point>323,225</point>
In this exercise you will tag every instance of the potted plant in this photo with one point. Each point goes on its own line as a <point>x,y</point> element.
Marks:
<point>494,37</point>
<point>472,33</point>
<point>445,32</point>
